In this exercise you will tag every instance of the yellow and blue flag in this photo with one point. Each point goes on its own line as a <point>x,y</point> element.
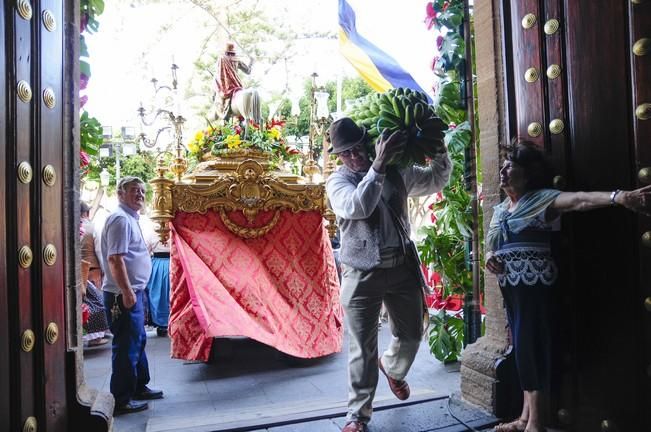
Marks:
<point>387,43</point>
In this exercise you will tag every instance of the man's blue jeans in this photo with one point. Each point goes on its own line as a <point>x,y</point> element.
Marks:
<point>130,367</point>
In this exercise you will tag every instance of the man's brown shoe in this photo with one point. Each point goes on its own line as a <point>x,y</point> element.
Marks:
<point>355,426</point>
<point>399,388</point>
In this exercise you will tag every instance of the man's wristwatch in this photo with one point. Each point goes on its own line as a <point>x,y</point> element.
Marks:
<point>613,195</point>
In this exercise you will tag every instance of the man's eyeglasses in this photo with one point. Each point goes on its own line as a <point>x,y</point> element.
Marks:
<point>357,151</point>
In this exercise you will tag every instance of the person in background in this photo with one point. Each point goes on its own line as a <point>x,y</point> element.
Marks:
<point>379,261</point>
<point>128,266</point>
<point>95,325</point>
<point>519,254</point>
<point>87,243</point>
<point>158,287</point>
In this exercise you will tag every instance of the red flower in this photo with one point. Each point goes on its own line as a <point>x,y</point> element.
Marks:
<point>439,42</point>
<point>433,217</point>
<point>238,130</point>
<point>445,6</point>
<point>275,122</point>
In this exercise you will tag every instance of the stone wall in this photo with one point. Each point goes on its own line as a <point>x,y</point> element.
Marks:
<point>479,384</point>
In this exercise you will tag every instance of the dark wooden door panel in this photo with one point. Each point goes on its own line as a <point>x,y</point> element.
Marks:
<point>600,145</point>
<point>19,210</point>
<point>50,194</point>
<point>5,370</point>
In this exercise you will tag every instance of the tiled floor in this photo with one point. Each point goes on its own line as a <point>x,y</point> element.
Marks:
<point>247,380</point>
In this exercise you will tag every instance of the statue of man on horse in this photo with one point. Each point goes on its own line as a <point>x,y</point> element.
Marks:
<point>232,98</point>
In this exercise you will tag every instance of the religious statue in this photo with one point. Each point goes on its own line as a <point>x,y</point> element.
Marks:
<point>232,98</point>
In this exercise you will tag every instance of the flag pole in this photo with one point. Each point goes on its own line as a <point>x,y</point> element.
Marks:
<point>471,180</point>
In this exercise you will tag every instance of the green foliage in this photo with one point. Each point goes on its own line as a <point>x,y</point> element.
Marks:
<point>445,244</point>
<point>90,134</point>
<point>445,336</point>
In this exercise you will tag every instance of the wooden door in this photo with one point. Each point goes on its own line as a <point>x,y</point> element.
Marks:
<point>574,85</point>
<point>41,374</point>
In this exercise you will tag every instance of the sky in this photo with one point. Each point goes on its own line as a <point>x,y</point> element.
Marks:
<point>130,48</point>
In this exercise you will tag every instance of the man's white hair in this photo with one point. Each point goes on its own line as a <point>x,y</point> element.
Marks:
<point>126,181</point>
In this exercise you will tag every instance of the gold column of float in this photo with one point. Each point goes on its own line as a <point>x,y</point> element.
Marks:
<point>162,205</point>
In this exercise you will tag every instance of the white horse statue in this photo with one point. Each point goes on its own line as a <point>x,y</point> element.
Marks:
<point>246,103</point>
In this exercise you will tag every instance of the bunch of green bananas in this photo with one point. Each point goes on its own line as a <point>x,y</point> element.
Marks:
<point>403,109</point>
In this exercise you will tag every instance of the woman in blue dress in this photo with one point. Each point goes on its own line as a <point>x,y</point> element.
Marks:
<point>518,244</point>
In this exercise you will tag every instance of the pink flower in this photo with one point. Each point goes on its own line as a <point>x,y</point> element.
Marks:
<point>430,19</point>
<point>83,81</point>
<point>452,125</point>
<point>84,159</point>
<point>83,22</point>
<point>434,61</point>
<point>82,101</point>
<point>439,42</point>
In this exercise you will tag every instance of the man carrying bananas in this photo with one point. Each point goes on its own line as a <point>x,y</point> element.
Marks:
<point>379,260</point>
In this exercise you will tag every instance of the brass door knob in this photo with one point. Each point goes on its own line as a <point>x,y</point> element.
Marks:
<point>644,175</point>
<point>643,111</point>
<point>559,182</point>
<point>647,303</point>
<point>646,239</point>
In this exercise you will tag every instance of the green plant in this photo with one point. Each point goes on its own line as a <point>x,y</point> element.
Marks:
<point>445,246</point>
<point>445,336</point>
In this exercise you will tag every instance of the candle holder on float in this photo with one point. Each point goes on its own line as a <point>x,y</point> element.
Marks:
<point>319,119</point>
<point>173,121</point>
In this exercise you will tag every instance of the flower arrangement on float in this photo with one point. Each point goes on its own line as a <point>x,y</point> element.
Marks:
<point>229,140</point>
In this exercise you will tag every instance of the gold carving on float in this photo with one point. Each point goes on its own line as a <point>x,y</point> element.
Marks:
<point>528,21</point>
<point>534,129</point>
<point>531,75</point>
<point>240,185</point>
<point>30,425</point>
<point>551,26</point>
<point>24,9</point>
<point>49,21</point>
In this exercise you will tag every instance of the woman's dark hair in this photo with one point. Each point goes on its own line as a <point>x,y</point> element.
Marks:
<point>533,161</point>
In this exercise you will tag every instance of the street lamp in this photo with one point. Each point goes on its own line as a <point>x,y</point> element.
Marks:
<point>117,147</point>
<point>104,178</point>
